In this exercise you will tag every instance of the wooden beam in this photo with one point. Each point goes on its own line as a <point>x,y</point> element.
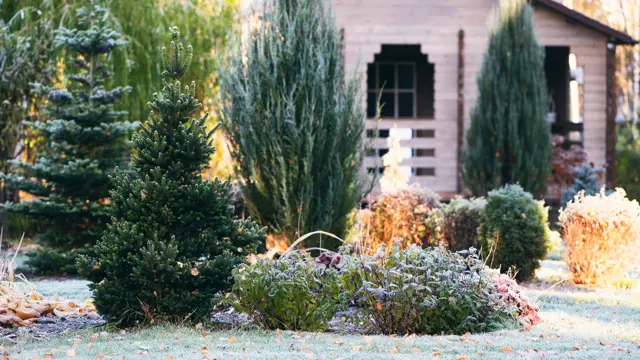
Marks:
<point>612,110</point>
<point>460,107</point>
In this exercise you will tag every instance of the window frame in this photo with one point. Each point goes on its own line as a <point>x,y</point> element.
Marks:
<point>396,90</point>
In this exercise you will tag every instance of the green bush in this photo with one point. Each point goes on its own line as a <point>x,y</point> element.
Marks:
<point>48,261</point>
<point>425,292</point>
<point>174,239</point>
<point>294,120</point>
<point>514,232</point>
<point>456,224</point>
<point>628,172</point>
<point>292,293</point>
<point>587,179</point>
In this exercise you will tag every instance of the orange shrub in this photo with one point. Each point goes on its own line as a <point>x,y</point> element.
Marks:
<point>601,236</point>
<point>395,217</point>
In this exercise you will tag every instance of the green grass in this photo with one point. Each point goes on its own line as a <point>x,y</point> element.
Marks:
<point>577,324</point>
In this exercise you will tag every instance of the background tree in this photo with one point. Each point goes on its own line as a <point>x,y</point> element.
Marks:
<point>174,239</point>
<point>143,23</point>
<point>84,141</point>
<point>509,140</point>
<point>24,58</point>
<point>294,121</point>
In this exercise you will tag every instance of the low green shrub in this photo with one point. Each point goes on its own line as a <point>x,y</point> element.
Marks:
<point>48,261</point>
<point>587,179</point>
<point>424,291</point>
<point>293,292</point>
<point>514,233</point>
<point>456,224</point>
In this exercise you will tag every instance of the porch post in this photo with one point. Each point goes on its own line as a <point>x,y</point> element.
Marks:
<point>612,109</point>
<point>460,107</point>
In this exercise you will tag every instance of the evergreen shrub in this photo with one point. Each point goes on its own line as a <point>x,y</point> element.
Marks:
<point>174,239</point>
<point>295,122</point>
<point>514,233</point>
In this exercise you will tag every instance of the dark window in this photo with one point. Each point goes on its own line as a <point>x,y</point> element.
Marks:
<point>423,133</point>
<point>423,152</point>
<point>402,78</point>
<point>424,171</point>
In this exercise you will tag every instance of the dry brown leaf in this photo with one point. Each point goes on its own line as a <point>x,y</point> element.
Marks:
<point>415,350</point>
<point>575,348</point>
<point>506,349</point>
<point>48,356</point>
<point>464,357</point>
<point>636,342</point>
<point>338,342</point>
<point>356,347</point>
<point>437,353</point>
<point>168,357</point>
<point>399,342</point>
<point>489,342</point>
<point>304,348</point>
<point>11,320</point>
<point>99,356</point>
<point>394,350</point>
<point>310,356</point>
<point>233,339</point>
<point>279,332</point>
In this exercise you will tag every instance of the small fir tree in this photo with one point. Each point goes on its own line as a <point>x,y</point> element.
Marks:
<point>295,122</point>
<point>80,147</point>
<point>509,140</point>
<point>174,238</point>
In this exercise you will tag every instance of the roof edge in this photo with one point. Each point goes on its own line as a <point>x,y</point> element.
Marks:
<point>618,37</point>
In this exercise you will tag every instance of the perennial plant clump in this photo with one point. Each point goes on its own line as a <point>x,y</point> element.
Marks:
<point>294,292</point>
<point>601,236</point>
<point>425,292</point>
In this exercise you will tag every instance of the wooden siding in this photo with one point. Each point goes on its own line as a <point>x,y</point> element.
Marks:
<point>435,24</point>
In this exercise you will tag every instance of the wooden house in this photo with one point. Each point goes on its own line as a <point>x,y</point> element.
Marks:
<point>429,52</point>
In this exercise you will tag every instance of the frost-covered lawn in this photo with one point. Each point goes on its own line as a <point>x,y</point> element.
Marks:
<point>578,324</point>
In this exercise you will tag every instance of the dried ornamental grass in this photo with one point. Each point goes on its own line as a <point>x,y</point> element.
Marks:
<point>21,305</point>
<point>601,236</point>
<point>393,217</point>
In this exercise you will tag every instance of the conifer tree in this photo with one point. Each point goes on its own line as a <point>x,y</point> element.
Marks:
<point>295,121</point>
<point>509,140</point>
<point>82,143</point>
<point>174,238</point>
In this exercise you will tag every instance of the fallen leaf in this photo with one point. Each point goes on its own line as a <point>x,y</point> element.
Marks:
<point>399,342</point>
<point>99,356</point>
<point>338,342</point>
<point>233,339</point>
<point>506,349</point>
<point>279,332</point>
<point>415,350</point>
<point>355,348</point>
<point>489,342</point>
<point>464,357</point>
<point>305,348</point>
<point>437,353</point>
<point>48,356</point>
<point>394,350</point>
<point>168,357</point>
<point>204,333</point>
<point>575,348</point>
<point>636,342</point>
<point>310,355</point>
<point>71,352</point>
